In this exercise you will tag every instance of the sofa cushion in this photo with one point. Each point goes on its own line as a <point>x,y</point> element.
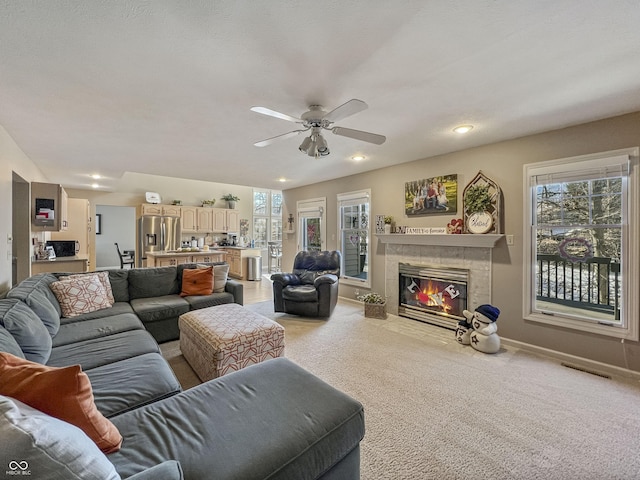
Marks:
<point>205,301</point>
<point>103,278</point>
<point>80,295</point>
<point>153,282</point>
<point>169,470</point>
<point>26,328</point>
<point>300,293</point>
<point>119,280</point>
<point>64,393</point>
<point>35,292</point>
<point>102,351</point>
<point>74,332</point>
<point>50,448</point>
<point>133,382</point>
<point>153,309</point>
<point>197,281</point>
<point>314,424</point>
<point>8,343</point>
<point>117,308</point>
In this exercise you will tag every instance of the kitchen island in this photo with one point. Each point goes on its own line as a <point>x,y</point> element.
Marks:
<point>167,259</point>
<point>75,264</point>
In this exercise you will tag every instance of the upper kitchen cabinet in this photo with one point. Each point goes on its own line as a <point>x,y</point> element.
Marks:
<point>225,220</point>
<point>48,207</point>
<point>197,219</point>
<point>157,209</point>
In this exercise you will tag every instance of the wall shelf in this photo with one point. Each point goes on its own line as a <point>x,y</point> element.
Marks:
<point>450,240</point>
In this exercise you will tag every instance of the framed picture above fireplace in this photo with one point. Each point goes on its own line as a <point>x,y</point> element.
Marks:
<point>431,196</point>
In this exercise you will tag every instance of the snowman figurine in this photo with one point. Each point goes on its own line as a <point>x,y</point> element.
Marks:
<point>483,336</point>
<point>463,332</point>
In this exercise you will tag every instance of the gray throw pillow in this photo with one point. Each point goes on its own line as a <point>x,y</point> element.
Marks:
<point>48,448</point>
<point>27,330</point>
<point>220,275</point>
<point>168,470</point>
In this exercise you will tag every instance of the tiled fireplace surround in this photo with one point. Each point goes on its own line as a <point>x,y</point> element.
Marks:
<point>471,252</point>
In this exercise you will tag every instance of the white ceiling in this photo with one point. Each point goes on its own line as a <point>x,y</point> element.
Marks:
<point>164,87</point>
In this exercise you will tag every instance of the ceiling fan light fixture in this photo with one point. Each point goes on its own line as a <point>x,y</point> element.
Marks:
<point>306,143</point>
<point>321,145</point>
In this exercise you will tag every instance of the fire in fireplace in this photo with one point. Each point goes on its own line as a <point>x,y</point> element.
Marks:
<point>433,294</point>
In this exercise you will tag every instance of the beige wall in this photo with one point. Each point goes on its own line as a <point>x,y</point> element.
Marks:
<point>503,162</point>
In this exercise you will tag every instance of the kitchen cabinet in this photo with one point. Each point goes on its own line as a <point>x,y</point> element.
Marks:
<point>197,220</point>
<point>48,207</point>
<point>158,209</point>
<point>225,220</point>
<point>78,226</point>
<point>237,260</point>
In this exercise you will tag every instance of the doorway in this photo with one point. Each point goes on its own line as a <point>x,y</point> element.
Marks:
<point>20,229</point>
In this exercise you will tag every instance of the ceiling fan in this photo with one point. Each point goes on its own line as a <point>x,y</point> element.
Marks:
<point>316,120</point>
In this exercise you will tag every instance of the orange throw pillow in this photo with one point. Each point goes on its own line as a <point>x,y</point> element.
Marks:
<point>197,281</point>
<point>64,393</point>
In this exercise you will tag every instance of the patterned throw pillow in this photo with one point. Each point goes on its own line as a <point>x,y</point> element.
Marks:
<point>80,295</point>
<point>197,281</point>
<point>102,276</point>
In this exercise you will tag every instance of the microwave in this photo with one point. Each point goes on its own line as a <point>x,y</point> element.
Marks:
<point>64,248</point>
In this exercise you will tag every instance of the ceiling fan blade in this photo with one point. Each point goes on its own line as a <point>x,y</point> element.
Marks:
<point>345,110</point>
<point>273,113</point>
<point>284,136</point>
<point>359,135</point>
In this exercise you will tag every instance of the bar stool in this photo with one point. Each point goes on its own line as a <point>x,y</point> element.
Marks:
<point>275,256</point>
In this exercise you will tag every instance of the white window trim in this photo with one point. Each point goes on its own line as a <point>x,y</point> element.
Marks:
<point>354,198</point>
<point>630,268</point>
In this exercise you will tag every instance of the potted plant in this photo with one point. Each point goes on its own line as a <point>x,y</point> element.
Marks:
<point>388,220</point>
<point>209,203</point>
<point>477,203</point>
<point>230,199</point>
<point>375,305</point>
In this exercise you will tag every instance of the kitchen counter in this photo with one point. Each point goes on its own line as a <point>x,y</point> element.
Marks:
<point>75,264</point>
<point>166,259</point>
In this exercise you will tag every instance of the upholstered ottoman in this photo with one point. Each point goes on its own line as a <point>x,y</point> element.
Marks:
<point>225,338</point>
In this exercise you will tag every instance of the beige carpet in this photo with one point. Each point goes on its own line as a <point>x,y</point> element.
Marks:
<point>438,410</point>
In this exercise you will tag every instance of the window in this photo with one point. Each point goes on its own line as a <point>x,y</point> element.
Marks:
<point>267,217</point>
<point>583,261</point>
<point>355,232</point>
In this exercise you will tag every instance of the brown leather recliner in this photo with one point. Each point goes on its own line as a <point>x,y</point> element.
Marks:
<point>311,290</point>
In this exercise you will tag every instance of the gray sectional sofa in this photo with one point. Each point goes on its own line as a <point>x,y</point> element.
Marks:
<point>273,420</point>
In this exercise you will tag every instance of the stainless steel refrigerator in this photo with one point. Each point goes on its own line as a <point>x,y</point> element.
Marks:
<point>157,234</point>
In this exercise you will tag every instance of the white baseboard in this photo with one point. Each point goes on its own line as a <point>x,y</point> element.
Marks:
<point>592,365</point>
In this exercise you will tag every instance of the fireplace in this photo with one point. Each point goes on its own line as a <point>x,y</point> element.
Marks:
<point>432,294</point>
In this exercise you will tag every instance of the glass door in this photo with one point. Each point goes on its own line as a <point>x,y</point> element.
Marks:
<point>311,236</point>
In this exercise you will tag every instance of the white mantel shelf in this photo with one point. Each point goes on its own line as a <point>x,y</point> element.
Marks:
<point>486,240</point>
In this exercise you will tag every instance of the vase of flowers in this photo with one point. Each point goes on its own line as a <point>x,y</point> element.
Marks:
<point>375,305</point>
<point>388,220</point>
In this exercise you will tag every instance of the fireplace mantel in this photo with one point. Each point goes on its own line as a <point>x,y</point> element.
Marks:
<point>487,240</point>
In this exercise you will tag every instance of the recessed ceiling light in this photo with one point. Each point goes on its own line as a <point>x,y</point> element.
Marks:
<point>282,179</point>
<point>357,158</point>
<point>95,176</point>
<point>95,185</point>
<point>463,128</point>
